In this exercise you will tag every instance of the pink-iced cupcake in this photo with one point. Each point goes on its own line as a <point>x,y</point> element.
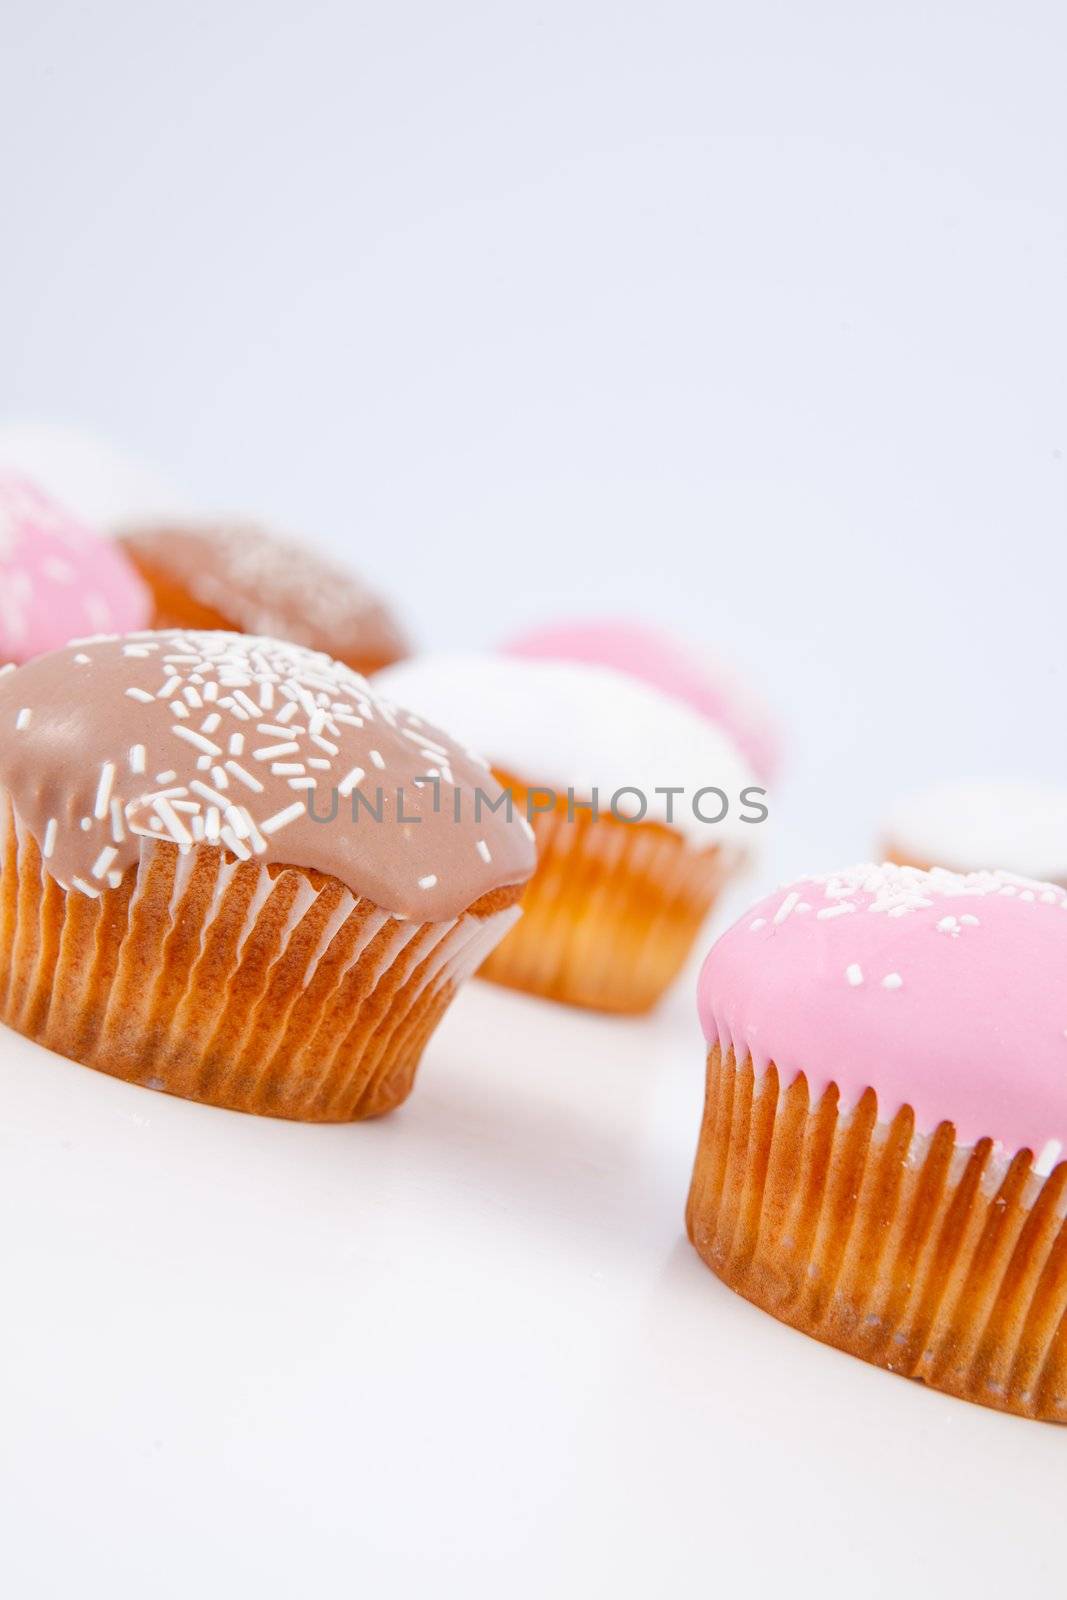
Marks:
<point>693,677</point>
<point>880,1157</point>
<point>58,580</point>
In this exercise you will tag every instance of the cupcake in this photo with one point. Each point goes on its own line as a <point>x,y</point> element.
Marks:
<point>971,826</point>
<point>101,485</point>
<point>57,578</point>
<point>243,579</point>
<point>640,806</point>
<point>680,671</point>
<point>879,1163</point>
<point>222,876</point>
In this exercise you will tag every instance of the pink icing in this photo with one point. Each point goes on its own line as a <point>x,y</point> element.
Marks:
<point>58,580</point>
<point>660,661</point>
<point>971,1029</point>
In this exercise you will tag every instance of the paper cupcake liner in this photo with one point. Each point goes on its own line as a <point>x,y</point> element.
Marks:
<point>274,990</point>
<point>611,912</point>
<point>942,1262</point>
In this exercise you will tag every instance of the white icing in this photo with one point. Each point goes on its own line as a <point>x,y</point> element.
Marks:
<point>971,825</point>
<point>568,725</point>
<point>86,475</point>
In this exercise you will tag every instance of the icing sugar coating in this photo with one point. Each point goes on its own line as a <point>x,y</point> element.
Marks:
<point>692,676</point>
<point>569,725</point>
<point>984,824</point>
<point>101,485</point>
<point>943,991</point>
<point>246,742</point>
<point>57,578</point>
<point>248,579</point>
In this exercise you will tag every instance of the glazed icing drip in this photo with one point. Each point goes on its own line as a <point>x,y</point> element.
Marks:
<point>57,578</point>
<point>255,745</point>
<point>943,991</point>
<point>260,583</point>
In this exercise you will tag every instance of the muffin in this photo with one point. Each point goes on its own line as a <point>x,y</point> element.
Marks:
<point>57,578</point>
<point>974,825</point>
<point>244,579</point>
<point>694,676</point>
<point>221,875</point>
<point>879,1163</point>
<point>641,809</point>
<point>101,485</point>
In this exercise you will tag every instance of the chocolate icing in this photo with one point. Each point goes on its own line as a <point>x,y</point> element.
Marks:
<point>240,576</point>
<point>188,736</point>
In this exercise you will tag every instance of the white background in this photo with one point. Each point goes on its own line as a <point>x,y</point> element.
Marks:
<point>746,318</point>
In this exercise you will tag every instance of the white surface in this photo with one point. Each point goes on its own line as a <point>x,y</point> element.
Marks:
<point>466,1350</point>
<point>748,319</point>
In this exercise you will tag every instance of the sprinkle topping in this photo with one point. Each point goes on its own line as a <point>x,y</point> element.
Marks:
<point>126,769</point>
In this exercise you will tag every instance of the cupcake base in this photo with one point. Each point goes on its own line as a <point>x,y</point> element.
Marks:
<point>611,912</point>
<point>268,990</point>
<point>942,1262</point>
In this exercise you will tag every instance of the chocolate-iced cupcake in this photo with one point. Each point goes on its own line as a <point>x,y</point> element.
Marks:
<point>221,875</point>
<point>244,579</point>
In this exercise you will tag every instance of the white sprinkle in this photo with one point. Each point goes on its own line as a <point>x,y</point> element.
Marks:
<point>303,783</point>
<point>85,888</point>
<point>191,736</point>
<point>168,775</point>
<point>274,730</point>
<point>140,694</point>
<point>103,790</point>
<point>50,837</point>
<point>174,824</point>
<point>237,818</point>
<point>192,698</point>
<point>281,819</point>
<point>349,782</point>
<point>137,758</point>
<point>1028,895</point>
<point>210,723</point>
<point>266,696</point>
<point>483,850</point>
<point>86,824</point>
<point>209,794</point>
<point>800,907</point>
<point>23,719</point>
<point>169,687</point>
<point>854,974</point>
<point>376,758</point>
<point>328,745</point>
<point>949,925</point>
<point>244,777</point>
<point>892,980</point>
<point>114,879</point>
<point>838,910</point>
<point>235,845</point>
<point>968,921</point>
<point>237,744</point>
<point>248,703</point>
<point>320,763</point>
<point>82,660</point>
<point>211,824</point>
<point>180,711</point>
<point>786,906</point>
<point>118,831</point>
<point>104,860</point>
<point>429,881</point>
<point>210,691</point>
<point>757,924</point>
<point>287,769</point>
<point>271,752</point>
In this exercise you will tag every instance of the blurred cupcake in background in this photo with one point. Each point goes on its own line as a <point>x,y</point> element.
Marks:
<point>58,579</point>
<point>641,805</point>
<point>681,671</point>
<point>974,824</point>
<point>98,483</point>
<point>243,578</point>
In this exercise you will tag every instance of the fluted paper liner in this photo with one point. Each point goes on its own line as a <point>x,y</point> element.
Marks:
<point>611,912</point>
<point>271,990</point>
<point>939,1261</point>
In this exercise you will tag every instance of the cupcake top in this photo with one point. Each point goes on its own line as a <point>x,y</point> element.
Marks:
<point>574,726</point>
<point>254,581</point>
<point>943,991</point>
<point>692,676</point>
<point>984,824</point>
<point>57,579</point>
<point>100,484</point>
<point>256,745</point>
